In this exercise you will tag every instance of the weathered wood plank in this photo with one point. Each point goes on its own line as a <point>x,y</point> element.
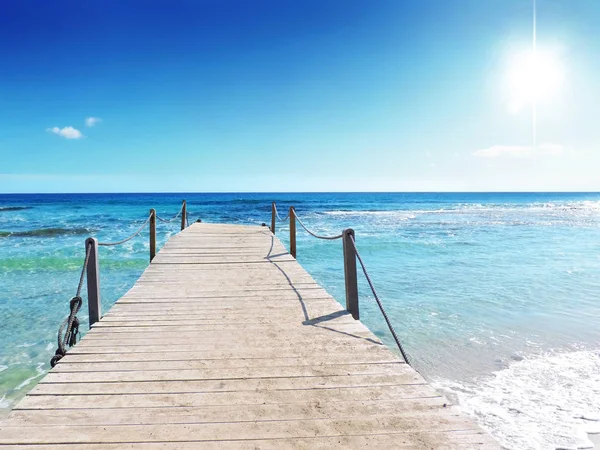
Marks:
<point>75,364</point>
<point>413,386</point>
<point>241,430</point>
<point>276,358</point>
<point>396,393</point>
<point>384,442</point>
<point>206,414</point>
<point>116,375</point>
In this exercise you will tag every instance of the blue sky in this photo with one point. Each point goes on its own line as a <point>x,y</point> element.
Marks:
<point>218,95</point>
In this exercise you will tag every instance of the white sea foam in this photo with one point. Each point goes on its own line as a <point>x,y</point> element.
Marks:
<point>402,214</point>
<point>545,402</point>
<point>5,405</point>
<point>40,371</point>
<point>586,205</point>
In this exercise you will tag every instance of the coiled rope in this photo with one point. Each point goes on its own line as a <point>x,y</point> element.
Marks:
<point>71,322</point>
<point>138,231</point>
<point>381,308</point>
<point>329,238</point>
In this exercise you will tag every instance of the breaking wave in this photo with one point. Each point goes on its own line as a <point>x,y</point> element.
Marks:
<point>13,208</point>
<point>550,401</point>
<point>47,232</point>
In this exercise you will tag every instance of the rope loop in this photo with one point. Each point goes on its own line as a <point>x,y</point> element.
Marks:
<point>278,216</point>
<point>329,238</point>
<point>138,231</point>
<point>172,218</point>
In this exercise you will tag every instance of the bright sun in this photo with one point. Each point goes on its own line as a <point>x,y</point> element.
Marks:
<point>533,77</point>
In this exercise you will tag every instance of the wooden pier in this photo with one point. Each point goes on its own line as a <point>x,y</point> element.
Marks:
<point>226,342</point>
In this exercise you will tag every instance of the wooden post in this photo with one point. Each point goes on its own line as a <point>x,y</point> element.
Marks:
<point>152,234</point>
<point>273,217</point>
<point>93,281</point>
<point>350,274</point>
<point>292,231</point>
<point>183,215</point>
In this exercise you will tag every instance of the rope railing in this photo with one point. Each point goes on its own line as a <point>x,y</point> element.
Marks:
<point>351,255</point>
<point>381,308</point>
<point>91,268</point>
<point>69,328</point>
<point>71,322</point>
<point>172,218</point>
<point>328,238</point>
<point>278,216</point>
<point>138,231</point>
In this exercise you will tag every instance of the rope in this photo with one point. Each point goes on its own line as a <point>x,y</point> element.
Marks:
<point>139,230</point>
<point>278,216</point>
<point>172,218</point>
<point>69,336</point>
<point>187,219</point>
<point>71,322</point>
<point>381,308</point>
<point>331,238</point>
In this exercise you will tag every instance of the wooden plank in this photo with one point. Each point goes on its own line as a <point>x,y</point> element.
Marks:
<point>173,308</point>
<point>396,393</point>
<point>207,414</point>
<point>444,441</point>
<point>211,341</point>
<point>74,364</point>
<point>399,371</point>
<point>225,341</point>
<point>200,330</point>
<point>220,259</point>
<point>207,333</point>
<point>276,358</point>
<point>231,430</point>
<point>413,386</point>
<point>274,293</point>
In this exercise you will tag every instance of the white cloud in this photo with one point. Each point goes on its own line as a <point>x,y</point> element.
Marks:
<point>66,132</point>
<point>519,151</point>
<point>91,121</point>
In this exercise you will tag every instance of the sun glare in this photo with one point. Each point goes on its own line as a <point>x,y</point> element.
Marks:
<point>534,77</point>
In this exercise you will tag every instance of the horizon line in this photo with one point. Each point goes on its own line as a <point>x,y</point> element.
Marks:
<point>299,192</point>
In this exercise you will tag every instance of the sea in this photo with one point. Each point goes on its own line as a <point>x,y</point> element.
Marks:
<point>495,296</point>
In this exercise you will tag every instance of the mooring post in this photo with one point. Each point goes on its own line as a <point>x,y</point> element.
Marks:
<point>93,281</point>
<point>292,231</point>
<point>183,215</point>
<point>350,273</point>
<point>152,234</point>
<point>273,217</point>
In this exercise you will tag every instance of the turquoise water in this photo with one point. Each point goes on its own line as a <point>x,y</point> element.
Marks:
<point>495,296</point>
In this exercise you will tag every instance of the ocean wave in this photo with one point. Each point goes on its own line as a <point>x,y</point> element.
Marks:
<point>406,214</point>
<point>549,401</point>
<point>13,208</point>
<point>46,232</point>
<point>244,201</point>
<point>581,212</point>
